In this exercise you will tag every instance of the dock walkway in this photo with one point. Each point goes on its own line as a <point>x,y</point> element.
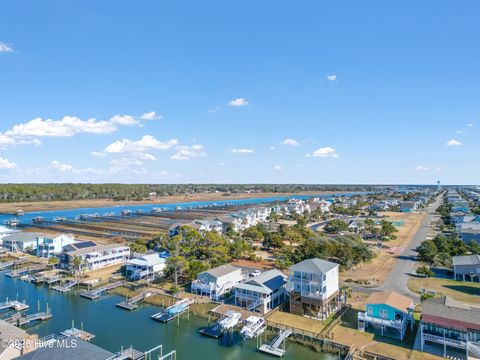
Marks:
<point>96,293</point>
<point>132,303</point>
<point>23,319</point>
<point>273,348</point>
<point>66,287</point>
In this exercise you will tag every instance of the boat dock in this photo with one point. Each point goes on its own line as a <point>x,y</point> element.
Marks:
<point>24,319</point>
<point>132,303</point>
<point>12,263</point>
<point>14,305</point>
<point>96,293</point>
<point>66,287</point>
<point>79,333</point>
<point>174,311</point>
<point>273,348</point>
<point>27,270</point>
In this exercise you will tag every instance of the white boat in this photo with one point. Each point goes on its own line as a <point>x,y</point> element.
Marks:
<point>126,212</point>
<point>253,325</point>
<point>156,210</point>
<point>229,320</point>
<point>12,222</point>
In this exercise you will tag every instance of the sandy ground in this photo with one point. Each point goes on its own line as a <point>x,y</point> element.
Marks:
<point>76,204</point>
<point>380,267</point>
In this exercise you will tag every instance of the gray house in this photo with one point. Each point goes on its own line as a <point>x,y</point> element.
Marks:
<point>466,267</point>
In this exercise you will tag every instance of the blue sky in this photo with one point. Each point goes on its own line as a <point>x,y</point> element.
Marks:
<point>251,91</point>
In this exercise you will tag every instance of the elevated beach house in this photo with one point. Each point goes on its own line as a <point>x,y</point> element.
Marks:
<point>21,241</point>
<point>449,327</point>
<point>262,293</point>
<point>93,256</point>
<point>53,245</point>
<point>313,286</point>
<point>145,266</point>
<point>217,282</point>
<point>387,314</point>
<point>466,268</point>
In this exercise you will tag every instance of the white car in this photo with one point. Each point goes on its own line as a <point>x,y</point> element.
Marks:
<point>255,273</point>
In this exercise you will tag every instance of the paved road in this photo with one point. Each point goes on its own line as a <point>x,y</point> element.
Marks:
<point>398,278</point>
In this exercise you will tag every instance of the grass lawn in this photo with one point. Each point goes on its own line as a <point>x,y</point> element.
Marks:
<point>467,292</point>
<point>298,322</point>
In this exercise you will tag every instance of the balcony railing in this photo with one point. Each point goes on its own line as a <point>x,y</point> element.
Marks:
<point>397,324</point>
<point>445,340</point>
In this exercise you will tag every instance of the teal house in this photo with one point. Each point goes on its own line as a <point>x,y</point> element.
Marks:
<point>387,314</point>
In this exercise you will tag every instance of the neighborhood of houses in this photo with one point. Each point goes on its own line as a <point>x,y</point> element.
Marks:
<point>310,288</point>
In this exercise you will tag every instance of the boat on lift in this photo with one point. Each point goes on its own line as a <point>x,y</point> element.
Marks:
<point>156,210</point>
<point>229,320</point>
<point>12,223</point>
<point>253,326</point>
<point>60,219</point>
<point>38,220</point>
<point>126,212</point>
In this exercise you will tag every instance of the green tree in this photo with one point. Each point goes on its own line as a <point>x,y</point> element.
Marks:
<point>335,226</point>
<point>53,261</point>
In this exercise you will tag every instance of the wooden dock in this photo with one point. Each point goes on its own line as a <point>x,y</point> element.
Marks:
<point>96,293</point>
<point>273,348</point>
<point>81,334</point>
<point>132,303</point>
<point>13,305</point>
<point>23,319</point>
<point>66,287</point>
<point>174,311</point>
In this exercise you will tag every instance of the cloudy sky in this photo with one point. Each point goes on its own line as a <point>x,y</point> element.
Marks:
<point>251,91</point>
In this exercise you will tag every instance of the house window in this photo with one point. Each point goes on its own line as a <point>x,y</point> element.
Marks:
<point>369,310</point>
<point>383,313</point>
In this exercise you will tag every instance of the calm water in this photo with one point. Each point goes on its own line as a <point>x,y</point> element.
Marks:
<point>115,327</point>
<point>70,214</point>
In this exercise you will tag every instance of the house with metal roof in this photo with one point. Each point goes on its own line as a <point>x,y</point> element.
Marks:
<point>146,266</point>
<point>21,241</point>
<point>448,327</point>
<point>262,293</point>
<point>217,282</point>
<point>387,314</point>
<point>466,267</point>
<point>93,256</point>
<point>314,289</point>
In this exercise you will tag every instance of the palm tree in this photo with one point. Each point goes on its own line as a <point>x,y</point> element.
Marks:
<point>76,262</point>
<point>53,261</point>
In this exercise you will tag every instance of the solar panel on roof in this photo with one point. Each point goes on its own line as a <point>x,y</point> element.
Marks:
<point>85,244</point>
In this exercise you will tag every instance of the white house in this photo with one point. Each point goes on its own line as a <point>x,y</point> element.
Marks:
<point>93,256</point>
<point>297,206</point>
<point>148,266</point>
<point>216,282</point>
<point>48,245</point>
<point>21,241</point>
<point>263,292</point>
<point>314,289</point>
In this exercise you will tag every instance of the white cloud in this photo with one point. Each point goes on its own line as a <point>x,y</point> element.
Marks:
<point>324,152</point>
<point>30,131</point>
<point>290,142</point>
<point>271,147</point>
<point>460,131</point>
<point>5,47</point>
<point>125,120</point>
<point>238,102</point>
<point>188,152</point>
<point>278,167</point>
<point>241,151</point>
<point>151,115</point>
<point>332,77</point>
<point>453,142</point>
<point>67,168</point>
<point>470,125</point>
<point>422,168</point>
<point>6,164</point>
<point>138,149</point>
